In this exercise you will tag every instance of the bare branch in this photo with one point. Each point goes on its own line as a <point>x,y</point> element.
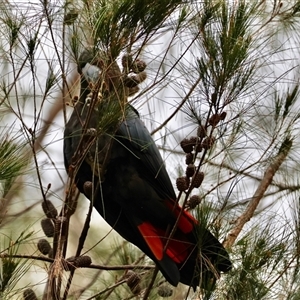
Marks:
<point>259,193</point>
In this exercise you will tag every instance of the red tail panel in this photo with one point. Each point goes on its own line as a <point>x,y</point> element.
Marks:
<point>178,248</point>
<point>186,222</point>
<point>152,239</point>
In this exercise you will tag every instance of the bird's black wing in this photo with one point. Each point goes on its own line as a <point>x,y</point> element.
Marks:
<point>138,141</point>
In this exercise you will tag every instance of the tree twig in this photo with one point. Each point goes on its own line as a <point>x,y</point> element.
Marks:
<point>259,193</point>
<point>178,107</point>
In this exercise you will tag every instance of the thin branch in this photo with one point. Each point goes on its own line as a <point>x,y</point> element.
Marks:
<point>150,285</point>
<point>108,289</point>
<point>92,266</point>
<point>178,107</point>
<point>79,247</point>
<point>259,193</point>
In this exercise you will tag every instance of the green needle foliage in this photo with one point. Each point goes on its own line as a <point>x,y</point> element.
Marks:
<point>225,43</point>
<point>262,259</point>
<point>116,23</point>
<point>12,159</point>
<point>222,73</point>
<point>12,269</point>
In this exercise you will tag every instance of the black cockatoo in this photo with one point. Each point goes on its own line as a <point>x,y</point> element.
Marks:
<point>114,161</point>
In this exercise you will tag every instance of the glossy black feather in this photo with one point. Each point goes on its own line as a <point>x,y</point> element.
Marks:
<point>135,188</point>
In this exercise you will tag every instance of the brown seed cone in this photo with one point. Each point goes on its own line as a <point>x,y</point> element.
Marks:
<point>141,76</point>
<point>193,140</point>
<point>201,131</point>
<point>190,170</point>
<point>48,227</point>
<point>131,82</point>
<point>208,142</point>
<point>223,115</point>
<point>182,183</point>
<point>77,262</point>
<point>133,282</point>
<point>189,158</point>
<point>197,179</point>
<point>194,201</point>
<point>138,66</point>
<point>88,188</point>
<point>186,145</point>
<point>49,209</point>
<point>164,291</point>
<point>44,246</point>
<point>214,119</point>
<point>141,65</point>
<point>29,294</point>
<point>198,148</point>
<point>69,264</point>
<point>83,261</point>
<point>127,61</point>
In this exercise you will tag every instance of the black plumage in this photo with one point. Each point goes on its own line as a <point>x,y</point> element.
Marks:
<point>131,188</point>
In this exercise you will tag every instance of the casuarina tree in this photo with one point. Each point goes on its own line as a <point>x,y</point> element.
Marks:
<point>176,123</point>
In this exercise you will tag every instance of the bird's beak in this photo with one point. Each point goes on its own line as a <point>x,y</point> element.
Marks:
<point>91,73</point>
